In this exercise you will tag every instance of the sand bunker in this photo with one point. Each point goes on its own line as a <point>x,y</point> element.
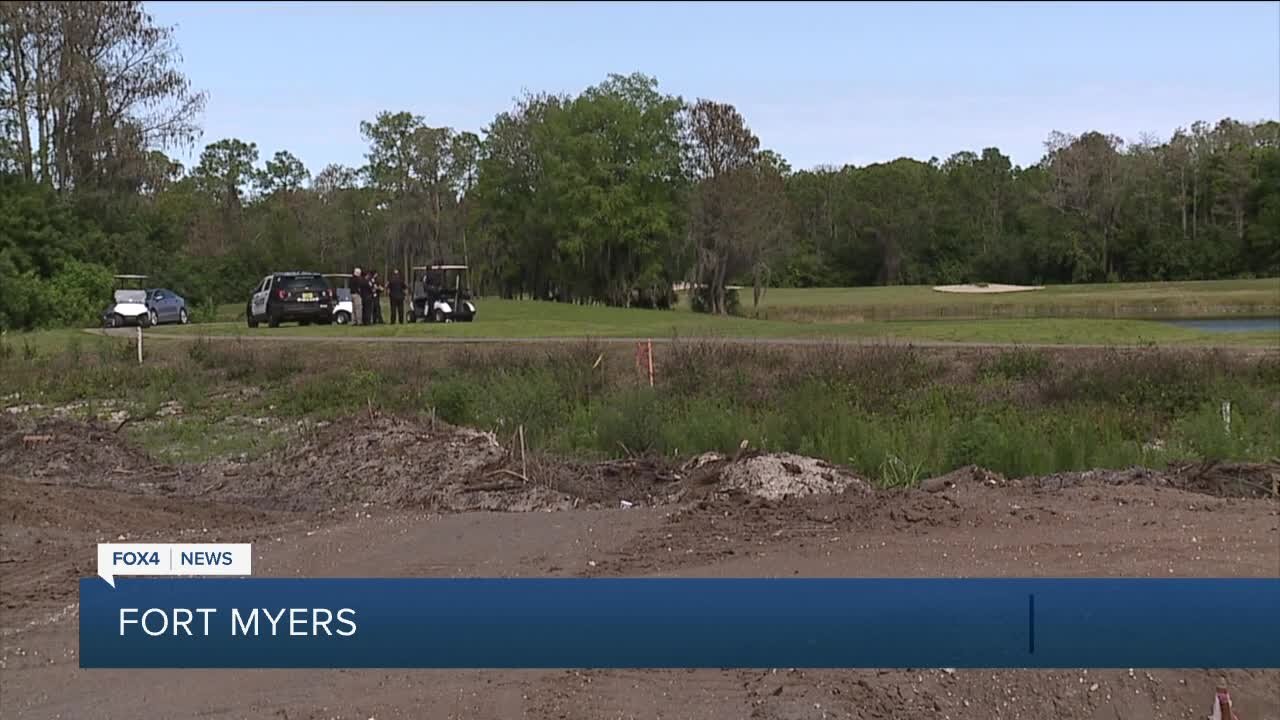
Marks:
<point>986,288</point>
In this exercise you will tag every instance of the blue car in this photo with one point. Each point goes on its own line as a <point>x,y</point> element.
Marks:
<point>166,306</point>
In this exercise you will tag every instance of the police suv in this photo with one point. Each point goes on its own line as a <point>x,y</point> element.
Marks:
<point>304,297</point>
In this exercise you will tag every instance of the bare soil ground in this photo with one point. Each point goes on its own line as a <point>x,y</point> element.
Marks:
<point>410,498</point>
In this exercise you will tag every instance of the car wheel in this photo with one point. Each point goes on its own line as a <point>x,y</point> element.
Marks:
<point>437,315</point>
<point>182,317</point>
<point>153,318</point>
<point>342,318</point>
<point>250,319</point>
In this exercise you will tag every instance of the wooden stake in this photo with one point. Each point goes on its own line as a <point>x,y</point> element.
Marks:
<point>524,465</point>
<point>139,343</point>
<point>650,354</point>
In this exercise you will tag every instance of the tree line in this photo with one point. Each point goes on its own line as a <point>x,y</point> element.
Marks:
<point>608,196</point>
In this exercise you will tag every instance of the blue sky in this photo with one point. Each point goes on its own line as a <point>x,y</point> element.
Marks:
<point>821,83</point>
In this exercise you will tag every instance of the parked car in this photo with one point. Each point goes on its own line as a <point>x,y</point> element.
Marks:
<point>302,297</point>
<point>166,306</point>
<point>134,305</point>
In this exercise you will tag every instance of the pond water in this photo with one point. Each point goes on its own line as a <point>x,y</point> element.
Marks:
<point>1229,325</point>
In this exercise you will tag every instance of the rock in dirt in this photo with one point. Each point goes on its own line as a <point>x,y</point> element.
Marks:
<point>968,475</point>
<point>777,476</point>
<point>697,462</point>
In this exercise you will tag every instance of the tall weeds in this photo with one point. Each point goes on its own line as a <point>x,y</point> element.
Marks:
<point>893,413</point>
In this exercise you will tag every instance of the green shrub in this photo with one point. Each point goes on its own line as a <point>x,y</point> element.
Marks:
<point>452,400</point>
<point>630,422</point>
<point>703,424</point>
<point>79,293</point>
<point>205,311</point>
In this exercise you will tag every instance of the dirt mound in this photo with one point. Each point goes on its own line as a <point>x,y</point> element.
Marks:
<point>639,481</point>
<point>778,476</point>
<point>1228,479</point>
<point>413,463</point>
<point>768,476</point>
<point>392,462</point>
<point>67,450</point>
<point>1220,479</point>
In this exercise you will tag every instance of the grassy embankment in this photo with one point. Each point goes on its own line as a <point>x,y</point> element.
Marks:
<point>835,313</point>
<point>894,413</point>
<point>1132,301</point>
<point>527,319</point>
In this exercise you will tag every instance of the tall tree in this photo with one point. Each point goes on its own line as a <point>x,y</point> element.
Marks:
<point>226,174</point>
<point>284,172</point>
<point>98,82</point>
<point>1088,184</point>
<point>736,218</point>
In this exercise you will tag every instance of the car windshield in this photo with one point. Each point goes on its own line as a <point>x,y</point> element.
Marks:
<point>302,282</point>
<point>131,296</point>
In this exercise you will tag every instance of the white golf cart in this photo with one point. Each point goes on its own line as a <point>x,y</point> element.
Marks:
<point>128,303</point>
<point>344,309</point>
<point>440,294</point>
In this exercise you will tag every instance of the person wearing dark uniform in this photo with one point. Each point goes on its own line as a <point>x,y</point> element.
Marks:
<point>395,291</point>
<point>376,283</point>
<point>366,300</point>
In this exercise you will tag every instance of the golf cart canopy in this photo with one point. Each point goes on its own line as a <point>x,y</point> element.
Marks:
<point>130,291</point>
<point>129,281</point>
<point>130,296</point>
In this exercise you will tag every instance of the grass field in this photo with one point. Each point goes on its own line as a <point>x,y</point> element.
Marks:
<point>1158,300</point>
<point>1073,315</point>
<point>527,319</point>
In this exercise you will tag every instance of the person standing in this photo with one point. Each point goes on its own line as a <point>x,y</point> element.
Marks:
<point>376,283</point>
<point>395,291</point>
<point>357,298</point>
<point>366,300</point>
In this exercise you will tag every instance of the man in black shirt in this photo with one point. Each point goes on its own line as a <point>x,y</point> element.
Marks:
<point>375,284</point>
<point>366,300</point>
<point>395,291</point>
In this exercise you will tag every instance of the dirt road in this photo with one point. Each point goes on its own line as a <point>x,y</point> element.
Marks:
<point>72,492</point>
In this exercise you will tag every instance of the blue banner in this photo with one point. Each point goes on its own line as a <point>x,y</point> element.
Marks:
<point>679,623</point>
